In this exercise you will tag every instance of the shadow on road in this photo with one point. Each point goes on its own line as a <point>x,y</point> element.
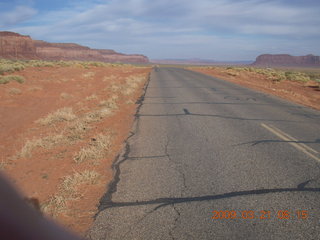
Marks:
<point>168,201</point>
<point>210,115</point>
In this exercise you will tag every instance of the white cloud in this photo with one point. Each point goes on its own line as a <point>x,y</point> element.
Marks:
<point>16,16</point>
<point>182,27</point>
<point>240,16</point>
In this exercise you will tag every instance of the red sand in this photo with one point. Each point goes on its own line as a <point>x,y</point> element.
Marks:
<point>41,175</point>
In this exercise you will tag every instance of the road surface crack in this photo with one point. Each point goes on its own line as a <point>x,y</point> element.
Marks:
<point>106,200</point>
<point>171,232</point>
<point>178,167</point>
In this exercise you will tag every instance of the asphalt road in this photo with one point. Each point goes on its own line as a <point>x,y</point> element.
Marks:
<point>201,145</point>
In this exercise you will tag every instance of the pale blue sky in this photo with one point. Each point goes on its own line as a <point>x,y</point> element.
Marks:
<point>208,29</point>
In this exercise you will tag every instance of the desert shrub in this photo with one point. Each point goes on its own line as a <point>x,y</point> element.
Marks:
<point>40,63</point>
<point>14,91</point>
<point>9,78</point>
<point>276,75</point>
<point>297,76</point>
<point>314,76</point>
<point>270,73</point>
<point>97,64</point>
<point>5,68</point>
<point>8,66</point>
<point>64,63</point>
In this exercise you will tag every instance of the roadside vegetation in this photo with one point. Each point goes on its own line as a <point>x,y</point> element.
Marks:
<point>8,78</point>
<point>11,66</point>
<point>69,191</point>
<point>79,113</point>
<point>278,75</point>
<point>299,85</point>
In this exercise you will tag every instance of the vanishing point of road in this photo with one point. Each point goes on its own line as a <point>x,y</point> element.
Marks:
<point>208,159</point>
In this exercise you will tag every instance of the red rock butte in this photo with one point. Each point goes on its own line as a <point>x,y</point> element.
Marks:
<point>285,60</point>
<point>17,46</point>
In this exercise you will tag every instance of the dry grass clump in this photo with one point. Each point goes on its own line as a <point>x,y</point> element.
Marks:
<point>98,115</point>
<point>55,205</point>
<point>127,91</point>
<point>109,78</point>
<point>14,91</point>
<point>132,84</point>
<point>114,88</point>
<point>9,78</point>
<point>35,88</point>
<point>65,96</point>
<point>62,114</point>
<point>72,182</point>
<point>3,164</point>
<point>95,116</point>
<point>77,129</point>
<point>46,142</point>
<point>92,97</point>
<point>88,74</point>
<point>97,149</point>
<point>104,112</point>
<point>68,190</point>
<point>110,103</point>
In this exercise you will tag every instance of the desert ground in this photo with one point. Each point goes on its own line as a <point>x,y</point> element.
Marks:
<point>299,85</point>
<point>62,125</point>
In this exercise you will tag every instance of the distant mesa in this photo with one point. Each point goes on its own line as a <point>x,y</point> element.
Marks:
<point>285,60</point>
<point>16,46</point>
<point>196,61</point>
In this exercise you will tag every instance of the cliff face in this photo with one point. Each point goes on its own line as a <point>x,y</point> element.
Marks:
<point>16,46</point>
<point>287,60</point>
<point>66,51</point>
<point>116,57</point>
<point>13,45</point>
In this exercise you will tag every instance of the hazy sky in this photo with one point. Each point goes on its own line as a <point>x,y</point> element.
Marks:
<point>210,29</point>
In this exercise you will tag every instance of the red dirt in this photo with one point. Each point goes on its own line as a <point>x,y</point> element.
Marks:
<point>41,175</point>
<point>307,94</point>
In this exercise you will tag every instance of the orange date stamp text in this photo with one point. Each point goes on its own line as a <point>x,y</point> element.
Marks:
<point>262,214</point>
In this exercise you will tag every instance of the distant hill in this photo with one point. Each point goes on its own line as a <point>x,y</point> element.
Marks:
<point>197,61</point>
<point>16,46</point>
<point>285,60</point>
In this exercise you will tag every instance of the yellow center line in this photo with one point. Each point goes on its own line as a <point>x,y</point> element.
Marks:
<point>291,140</point>
<point>296,140</point>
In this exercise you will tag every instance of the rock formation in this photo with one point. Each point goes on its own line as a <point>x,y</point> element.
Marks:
<point>285,60</point>
<point>16,46</point>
